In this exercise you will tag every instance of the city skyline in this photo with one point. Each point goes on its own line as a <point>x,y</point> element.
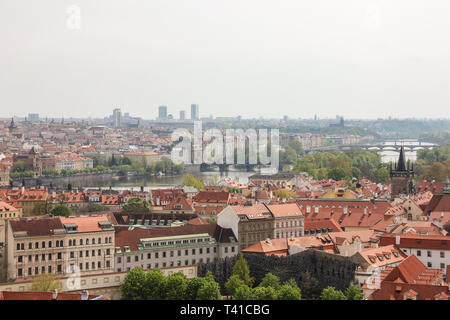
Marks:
<point>354,58</point>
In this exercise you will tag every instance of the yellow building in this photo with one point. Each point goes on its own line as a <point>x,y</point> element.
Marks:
<point>8,211</point>
<point>340,193</point>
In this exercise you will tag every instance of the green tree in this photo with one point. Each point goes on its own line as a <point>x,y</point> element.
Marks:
<point>136,205</point>
<point>134,286</point>
<point>284,194</point>
<point>289,292</point>
<point>193,285</point>
<point>155,285</point>
<point>353,293</point>
<point>241,269</point>
<point>297,146</point>
<point>243,292</point>
<point>381,175</point>
<point>210,290</point>
<point>288,155</point>
<point>176,285</point>
<point>45,283</point>
<point>337,174</point>
<point>331,293</point>
<point>61,211</point>
<point>19,166</point>
<point>265,293</point>
<point>126,161</point>
<point>190,180</point>
<point>96,207</point>
<point>270,280</point>
<point>232,284</point>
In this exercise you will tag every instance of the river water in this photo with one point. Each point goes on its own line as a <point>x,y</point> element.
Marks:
<point>151,182</point>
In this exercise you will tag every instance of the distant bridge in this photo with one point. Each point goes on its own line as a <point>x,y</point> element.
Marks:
<point>391,146</point>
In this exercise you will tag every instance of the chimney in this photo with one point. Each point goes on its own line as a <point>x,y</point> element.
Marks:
<point>268,240</point>
<point>84,295</point>
<point>365,210</point>
<point>345,210</point>
<point>308,209</point>
<point>54,294</point>
<point>23,190</point>
<point>397,240</point>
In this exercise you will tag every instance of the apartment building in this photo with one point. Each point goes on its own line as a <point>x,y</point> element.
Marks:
<point>59,246</point>
<point>172,246</point>
<point>251,223</point>
<point>288,220</point>
<point>432,251</point>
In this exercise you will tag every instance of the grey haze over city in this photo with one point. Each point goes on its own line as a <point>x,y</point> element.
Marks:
<point>359,58</point>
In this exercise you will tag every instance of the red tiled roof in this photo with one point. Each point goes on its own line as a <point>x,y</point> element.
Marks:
<point>212,197</point>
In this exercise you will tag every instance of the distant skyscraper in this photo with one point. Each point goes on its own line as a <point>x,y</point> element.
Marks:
<point>182,115</point>
<point>33,117</point>
<point>162,112</point>
<point>194,112</point>
<point>117,117</point>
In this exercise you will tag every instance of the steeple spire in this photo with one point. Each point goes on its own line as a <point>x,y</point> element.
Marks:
<point>447,186</point>
<point>401,165</point>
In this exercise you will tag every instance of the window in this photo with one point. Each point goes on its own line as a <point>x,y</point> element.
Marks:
<point>99,240</point>
<point>36,258</point>
<point>186,252</point>
<point>442,254</point>
<point>136,258</point>
<point>19,259</point>
<point>207,250</point>
<point>49,256</point>
<point>81,266</point>
<point>18,246</point>
<point>99,265</point>
<point>179,253</point>
<point>49,244</point>
<point>99,252</point>
<point>201,250</point>
<point>93,253</point>
<point>108,252</point>
<point>81,242</point>
<point>30,245</point>
<point>193,251</point>
<point>43,257</point>
<point>149,255</point>
<point>108,263</point>
<point>419,253</point>
<point>429,265</point>
<point>30,258</point>
<point>81,254</point>
<point>49,269</point>
<point>164,254</point>
<point>226,249</point>
<point>171,253</point>
<point>156,256</point>
<point>119,260</point>
<point>36,245</point>
<point>59,255</point>
<point>87,265</point>
<point>19,272</point>
<point>128,259</point>
<point>87,253</point>
<point>29,272</point>
<point>93,242</point>
<point>429,253</point>
<point>59,269</point>
<point>93,265</point>
<point>442,265</point>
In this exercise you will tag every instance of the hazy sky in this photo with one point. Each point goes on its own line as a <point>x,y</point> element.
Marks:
<point>356,58</point>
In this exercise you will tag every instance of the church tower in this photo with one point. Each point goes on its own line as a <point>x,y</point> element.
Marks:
<point>402,177</point>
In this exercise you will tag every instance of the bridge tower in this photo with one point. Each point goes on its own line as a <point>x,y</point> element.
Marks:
<point>402,177</point>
